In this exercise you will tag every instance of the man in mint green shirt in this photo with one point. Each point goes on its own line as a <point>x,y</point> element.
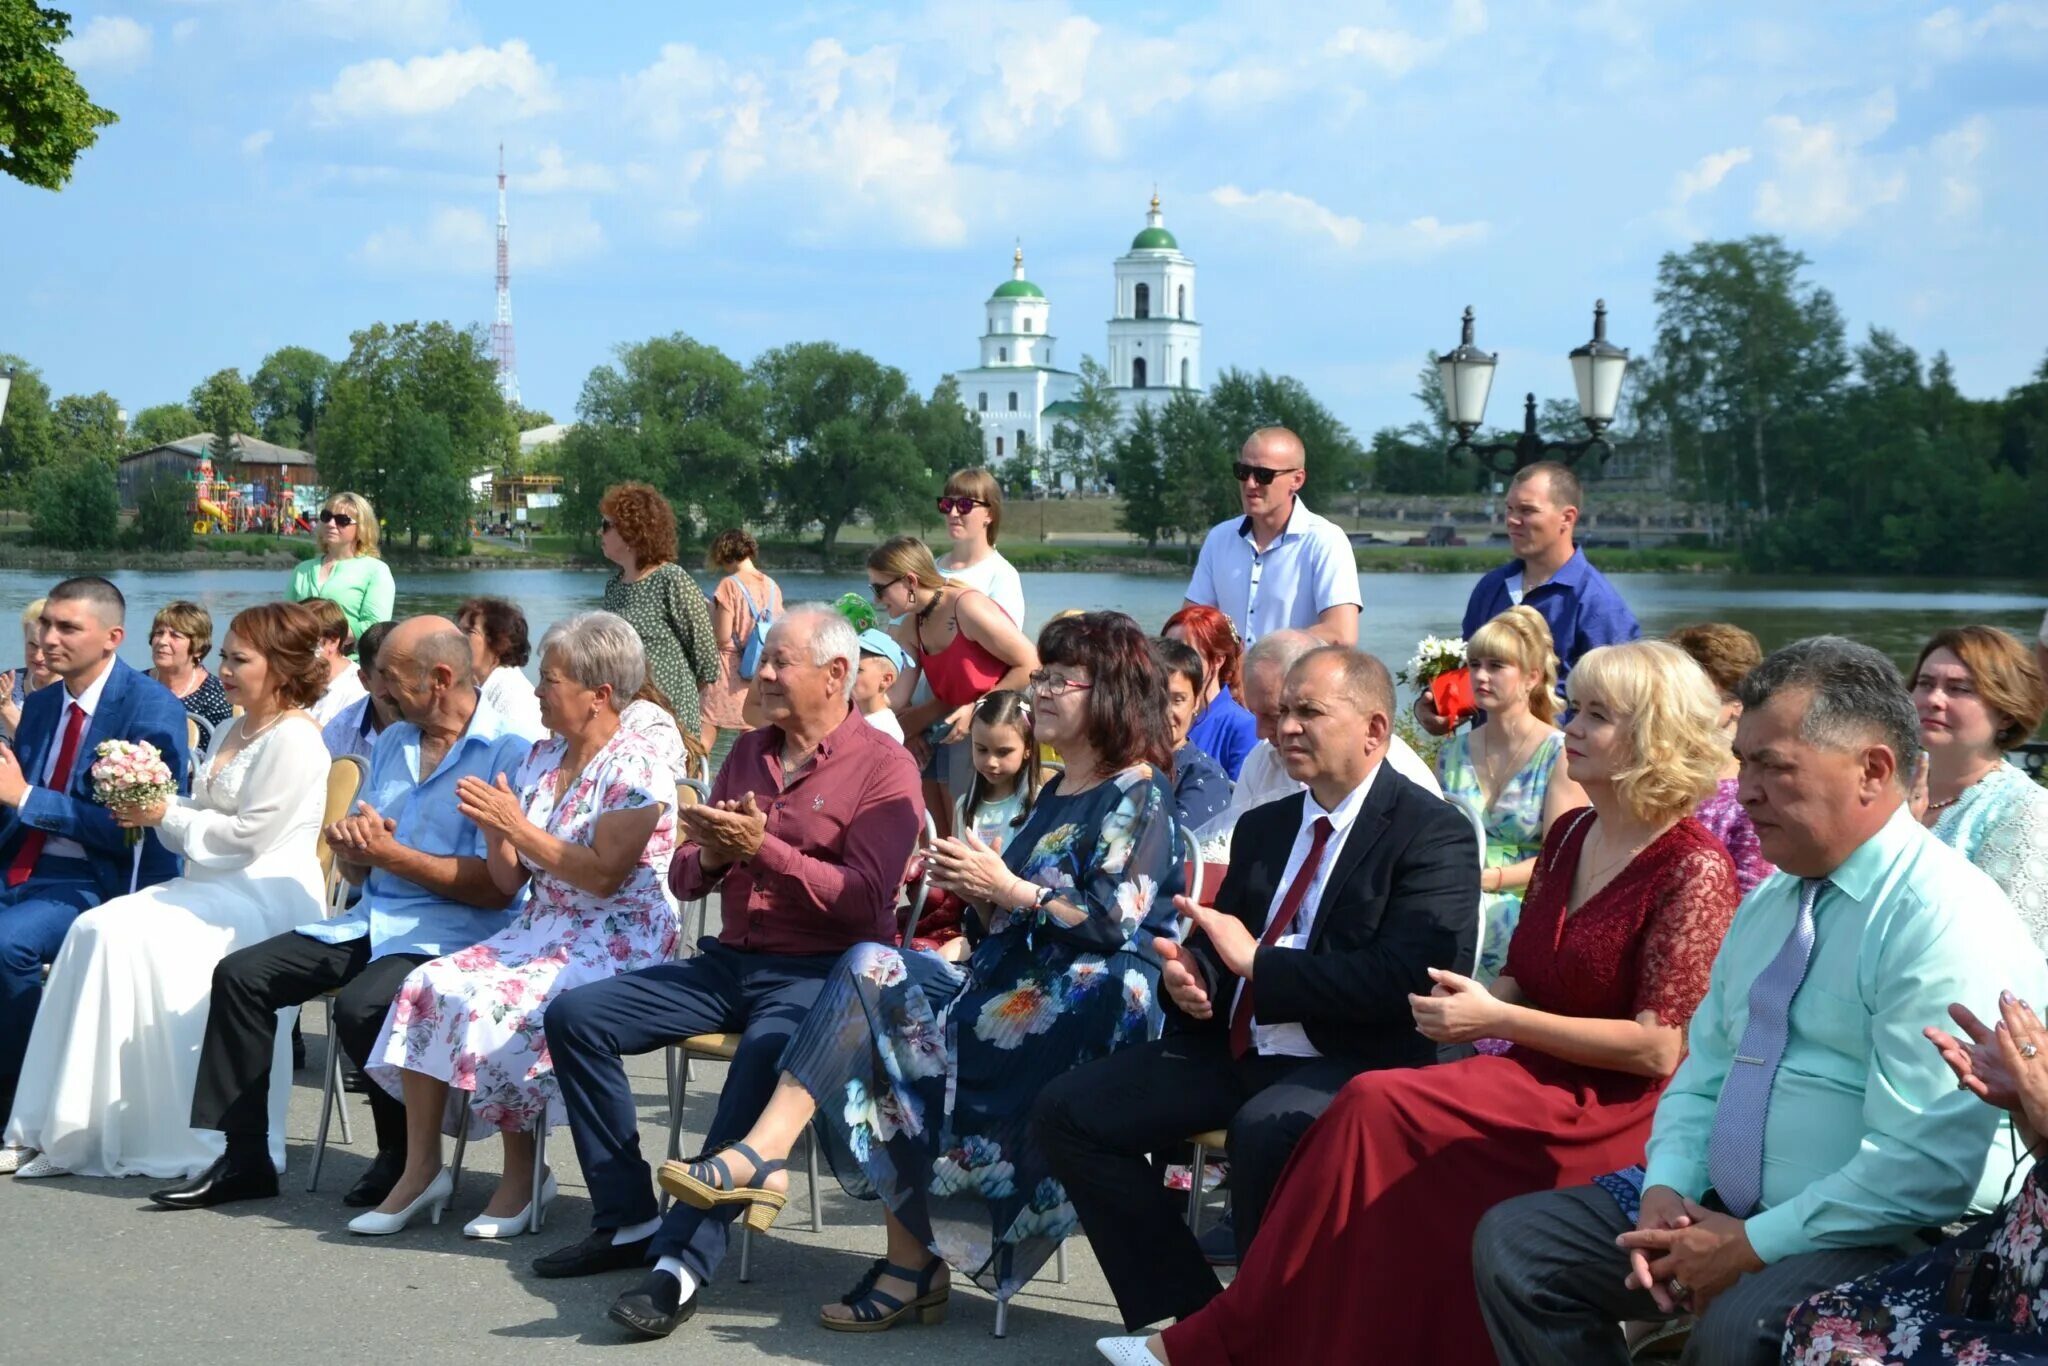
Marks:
<point>1865,1140</point>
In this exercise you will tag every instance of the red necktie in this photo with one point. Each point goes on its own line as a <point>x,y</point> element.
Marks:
<point>1290,906</point>
<point>32,843</point>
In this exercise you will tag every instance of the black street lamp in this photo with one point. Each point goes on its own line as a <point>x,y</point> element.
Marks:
<point>1467,375</point>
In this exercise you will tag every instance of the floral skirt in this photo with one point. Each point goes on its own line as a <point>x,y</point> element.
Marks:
<point>1899,1315</point>
<point>474,1019</point>
<point>1499,912</point>
<point>954,1164</point>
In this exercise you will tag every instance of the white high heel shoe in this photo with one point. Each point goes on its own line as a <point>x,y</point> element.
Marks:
<point>433,1200</point>
<point>1127,1351</point>
<point>509,1225</point>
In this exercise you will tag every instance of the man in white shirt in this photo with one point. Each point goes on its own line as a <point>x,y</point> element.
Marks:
<point>1338,903</point>
<point>1280,566</point>
<point>1264,778</point>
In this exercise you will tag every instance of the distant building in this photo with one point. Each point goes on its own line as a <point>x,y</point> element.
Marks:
<point>1155,344</point>
<point>268,467</point>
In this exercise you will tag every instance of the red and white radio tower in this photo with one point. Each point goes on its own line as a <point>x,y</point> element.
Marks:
<point>501,330</point>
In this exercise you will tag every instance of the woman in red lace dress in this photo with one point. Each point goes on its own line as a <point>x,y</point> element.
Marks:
<point>1365,1253</point>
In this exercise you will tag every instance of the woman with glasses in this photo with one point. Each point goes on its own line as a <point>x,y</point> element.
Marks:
<point>973,508</point>
<point>921,1073</point>
<point>348,572</point>
<point>637,530</point>
<point>961,644</point>
<point>35,671</point>
<point>179,639</point>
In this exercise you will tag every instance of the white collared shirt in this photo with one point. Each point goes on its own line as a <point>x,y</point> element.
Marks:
<point>1291,1040</point>
<point>89,703</point>
<point>1308,569</point>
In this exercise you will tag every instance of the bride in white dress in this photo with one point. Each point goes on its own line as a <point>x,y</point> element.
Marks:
<point>106,1088</point>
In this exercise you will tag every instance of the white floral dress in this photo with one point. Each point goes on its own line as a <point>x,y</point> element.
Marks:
<point>925,1073</point>
<point>475,1019</point>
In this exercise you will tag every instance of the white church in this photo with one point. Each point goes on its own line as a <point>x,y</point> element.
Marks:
<point>1155,345</point>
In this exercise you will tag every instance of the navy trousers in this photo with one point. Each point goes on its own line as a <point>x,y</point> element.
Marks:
<point>592,1029</point>
<point>34,918</point>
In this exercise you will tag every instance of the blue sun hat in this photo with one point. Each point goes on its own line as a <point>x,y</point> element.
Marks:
<point>878,642</point>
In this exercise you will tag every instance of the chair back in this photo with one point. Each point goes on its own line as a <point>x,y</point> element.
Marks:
<point>691,791</point>
<point>344,783</point>
<point>199,734</point>
<point>906,922</point>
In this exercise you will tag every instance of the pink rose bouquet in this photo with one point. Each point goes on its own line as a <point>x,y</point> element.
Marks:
<point>126,774</point>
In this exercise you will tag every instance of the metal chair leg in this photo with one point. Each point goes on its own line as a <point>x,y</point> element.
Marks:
<point>1002,1316</point>
<point>461,1143</point>
<point>540,1167</point>
<point>746,1252</point>
<point>811,1162</point>
<point>1059,1262</point>
<point>329,1086</point>
<point>334,1061</point>
<point>1195,1189</point>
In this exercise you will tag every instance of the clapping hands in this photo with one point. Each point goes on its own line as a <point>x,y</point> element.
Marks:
<point>2004,1065</point>
<point>724,832</point>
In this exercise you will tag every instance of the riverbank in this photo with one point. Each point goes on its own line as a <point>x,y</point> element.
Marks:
<point>269,552</point>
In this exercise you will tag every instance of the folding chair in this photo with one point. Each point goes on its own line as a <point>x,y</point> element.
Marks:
<point>345,777</point>
<point>540,1161</point>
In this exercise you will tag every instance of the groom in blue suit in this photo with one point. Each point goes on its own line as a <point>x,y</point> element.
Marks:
<point>60,852</point>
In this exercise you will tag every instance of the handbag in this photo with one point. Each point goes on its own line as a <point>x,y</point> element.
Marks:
<point>755,641</point>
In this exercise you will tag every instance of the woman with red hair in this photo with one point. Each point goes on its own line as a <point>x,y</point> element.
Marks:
<point>1222,728</point>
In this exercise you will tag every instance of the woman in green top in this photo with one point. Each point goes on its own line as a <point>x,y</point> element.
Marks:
<point>348,572</point>
<point>637,529</point>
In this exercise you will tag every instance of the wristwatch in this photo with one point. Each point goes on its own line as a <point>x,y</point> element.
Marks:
<point>1043,898</point>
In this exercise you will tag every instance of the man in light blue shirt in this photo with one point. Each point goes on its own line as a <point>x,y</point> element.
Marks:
<point>1797,1147</point>
<point>1280,567</point>
<point>426,893</point>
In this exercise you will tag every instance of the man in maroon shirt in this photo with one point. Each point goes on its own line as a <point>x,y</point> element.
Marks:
<point>810,826</point>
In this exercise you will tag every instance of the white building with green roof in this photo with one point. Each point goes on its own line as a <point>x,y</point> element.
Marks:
<point>1017,378</point>
<point>1155,344</point>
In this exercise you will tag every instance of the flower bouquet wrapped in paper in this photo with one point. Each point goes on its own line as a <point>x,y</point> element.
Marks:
<point>127,774</point>
<point>1439,668</point>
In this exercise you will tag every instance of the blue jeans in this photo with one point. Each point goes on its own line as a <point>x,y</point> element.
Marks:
<point>761,997</point>
<point>34,918</point>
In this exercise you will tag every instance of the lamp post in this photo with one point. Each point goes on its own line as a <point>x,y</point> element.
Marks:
<point>1467,375</point>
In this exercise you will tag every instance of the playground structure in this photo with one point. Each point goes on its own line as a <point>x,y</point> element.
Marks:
<point>218,506</point>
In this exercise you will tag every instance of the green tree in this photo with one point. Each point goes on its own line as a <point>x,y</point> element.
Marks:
<point>526,419</point>
<point>1086,440</point>
<point>46,118</point>
<point>288,392</point>
<point>412,414</point>
<point>159,423</point>
<point>74,504</point>
<point>1196,452</point>
<point>835,420</point>
<point>163,519</point>
<point>947,435</point>
<point>1241,403</point>
<point>89,427</point>
<point>1137,471</point>
<point>28,435</point>
<point>225,405</point>
<point>678,414</point>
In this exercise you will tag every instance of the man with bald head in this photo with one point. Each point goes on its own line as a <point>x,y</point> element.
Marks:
<point>1280,566</point>
<point>426,893</point>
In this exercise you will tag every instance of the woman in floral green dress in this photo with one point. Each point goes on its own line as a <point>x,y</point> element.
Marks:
<point>920,1073</point>
<point>637,529</point>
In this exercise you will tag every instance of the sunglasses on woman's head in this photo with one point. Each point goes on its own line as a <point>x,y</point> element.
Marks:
<point>1263,475</point>
<point>960,504</point>
<point>337,518</point>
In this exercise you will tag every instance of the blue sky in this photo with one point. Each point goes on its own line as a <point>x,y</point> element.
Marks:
<point>1347,176</point>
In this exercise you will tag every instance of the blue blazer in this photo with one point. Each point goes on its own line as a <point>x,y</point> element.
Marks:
<point>133,707</point>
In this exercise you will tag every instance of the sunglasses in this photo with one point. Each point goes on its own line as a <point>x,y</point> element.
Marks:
<point>1263,475</point>
<point>337,518</point>
<point>605,524</point>
<point>877,589</point>
<point>962,505</point>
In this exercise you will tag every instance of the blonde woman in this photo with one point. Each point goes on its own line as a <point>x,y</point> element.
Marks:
<point>1509,769</point>
<point>1624,913</point>
<point>17,684</point>
<point>348,572</point>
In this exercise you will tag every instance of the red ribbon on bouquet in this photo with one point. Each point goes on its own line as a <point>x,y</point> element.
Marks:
<point>1452,693</point>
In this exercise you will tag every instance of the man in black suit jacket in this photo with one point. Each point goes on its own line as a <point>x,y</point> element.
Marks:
<point>1337,903</point>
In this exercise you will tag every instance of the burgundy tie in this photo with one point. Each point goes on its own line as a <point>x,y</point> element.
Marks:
<point>1290,906</point>
<point>32,843</point>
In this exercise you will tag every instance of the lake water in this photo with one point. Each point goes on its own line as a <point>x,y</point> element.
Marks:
<point>1895,615</point>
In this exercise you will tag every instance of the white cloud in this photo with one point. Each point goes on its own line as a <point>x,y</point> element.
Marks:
<point>1703,177</point>
<point>1955,155</point>
<point>457,240</point>
<point>555,173</point>
<point>1043,76</point>
<point>112,45</point>
<point>1283,209</point>
<point>1950,34</point>
<point>254,144</point>
<point>1398,51</point>
<point>507,77</point>
<point>1822,181</point>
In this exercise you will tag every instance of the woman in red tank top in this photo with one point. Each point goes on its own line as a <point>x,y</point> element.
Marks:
<point>963,645</point>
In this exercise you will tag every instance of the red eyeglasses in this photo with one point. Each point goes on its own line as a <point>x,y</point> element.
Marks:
<point>961,504</point>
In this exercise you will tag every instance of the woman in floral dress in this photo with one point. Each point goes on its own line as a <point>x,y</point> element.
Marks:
<point>922,1073</point>
<point>1905,1316</point>
<point>588,828</point>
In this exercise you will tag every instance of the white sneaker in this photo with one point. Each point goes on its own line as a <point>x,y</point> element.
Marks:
<point>38,1166</point>
<point>12,1159</point>
<point>1127,1351</point>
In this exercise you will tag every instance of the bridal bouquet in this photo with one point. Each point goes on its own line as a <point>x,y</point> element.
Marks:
<point>126,774</point>
<point>1439,667</point>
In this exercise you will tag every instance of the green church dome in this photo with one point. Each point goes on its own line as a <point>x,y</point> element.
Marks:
<point>1154,239</point>
<point>1017,289</point>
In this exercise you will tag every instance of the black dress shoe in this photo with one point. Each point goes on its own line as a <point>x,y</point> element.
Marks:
<point>651,1309</point>
<point>594,1254</point>
<point>377,1182</point>
<point>1219,1243</point>
<point>219,1184</point>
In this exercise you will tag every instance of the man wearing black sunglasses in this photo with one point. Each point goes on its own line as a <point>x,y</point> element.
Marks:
<point>1280,567</point>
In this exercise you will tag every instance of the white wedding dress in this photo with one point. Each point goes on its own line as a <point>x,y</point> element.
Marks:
<point>106,1088</point>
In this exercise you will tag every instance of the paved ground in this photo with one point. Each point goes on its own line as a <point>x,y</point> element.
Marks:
<point>97,1274</point>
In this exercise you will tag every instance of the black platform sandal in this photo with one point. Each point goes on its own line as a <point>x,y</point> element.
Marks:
<point>877,1311</point>
<point>707,1184</point>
